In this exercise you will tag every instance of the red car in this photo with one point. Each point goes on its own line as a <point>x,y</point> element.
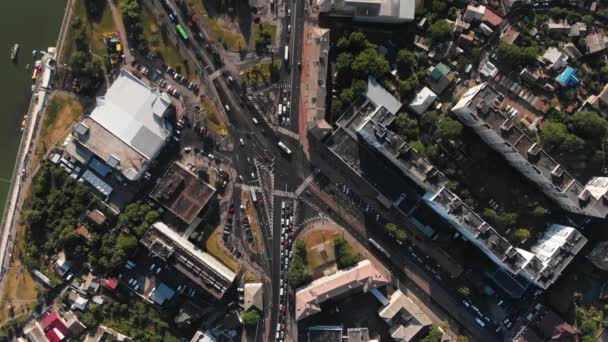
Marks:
<point>261,202</point>
<point>284,310</point>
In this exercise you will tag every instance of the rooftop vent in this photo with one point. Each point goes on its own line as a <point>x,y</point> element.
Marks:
<point>557,173</point>
<point>584,197</point>
<point>483,108</point>
<point>506,127</point>
<point>81,129</point>
<point>534,152</point>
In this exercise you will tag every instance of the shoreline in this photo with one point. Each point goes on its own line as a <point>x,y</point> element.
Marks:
<point>21,174</point>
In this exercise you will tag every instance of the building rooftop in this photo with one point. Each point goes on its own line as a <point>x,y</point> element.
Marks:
<point>182,192</point>
<point>162,293</point>
<point>595,43</point>
<point>200,267</point>
<point>542,265</point>
<point>423,100</point>
<point>357,334</point>
<point>253,296</point>
<point>98,141</point>
<point>405,318</point>
<point>380,97</point>
<point>491,18</point>
<point>479,101</point>
<point>134,112</point>
<point>364,275</point>
<point>325,333</point>
<point>568,78</point>
<point>390,10</point>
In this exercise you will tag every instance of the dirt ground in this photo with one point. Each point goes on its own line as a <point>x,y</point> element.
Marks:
<point>62,112</point>
<point>318,237</point>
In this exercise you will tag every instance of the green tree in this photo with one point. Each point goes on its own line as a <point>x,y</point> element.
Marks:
<point>438,6</point>
<point>521,234</point>
<point>434,335</point>
<point>391,228</point>
<point>555,136</point>
<point>355,43</point>
<point>250,318</point>
<point>406,62</point>
<point>370,62</point>
<point>407,128</point>
<point>345,256</point>
<point>464,291</point>
<point>588,327</point>
<point>589,125</point>
<point>343,62</point>
<point>449,129</point>
<point>517,56</point>
<point>401,235</point>
<point>440,30</point>
<point>539,211</point>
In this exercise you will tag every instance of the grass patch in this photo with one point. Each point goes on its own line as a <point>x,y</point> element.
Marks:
<point>250,277</point>
<point>214,249</point>
<point>255,228</point>
<point>261,72</point>
<point>215,122</point>
<point>256,31</point>
<point>94,28</point>
<point>21,290</point>
<point>231,40</point>
<point>62,111</point>
<point>158,42</point>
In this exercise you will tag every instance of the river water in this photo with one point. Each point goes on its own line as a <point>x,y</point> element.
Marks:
<point>34,24</point>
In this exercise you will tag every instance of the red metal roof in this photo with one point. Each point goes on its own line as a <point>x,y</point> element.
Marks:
<point>491,18</point>
<point>48,319</point>
<point>110,284</point>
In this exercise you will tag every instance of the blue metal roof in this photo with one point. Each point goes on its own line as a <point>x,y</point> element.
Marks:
<point>568,78</point>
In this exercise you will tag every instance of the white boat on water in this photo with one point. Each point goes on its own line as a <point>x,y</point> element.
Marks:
<point>14,51</point>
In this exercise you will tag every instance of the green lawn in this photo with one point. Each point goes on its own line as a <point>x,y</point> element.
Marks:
<point>159,43</point>
<point>231,40</point>
<point>95,28</point>
<point>256,29</point>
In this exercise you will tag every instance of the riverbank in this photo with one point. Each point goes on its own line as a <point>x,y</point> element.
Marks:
<point>21,175</point>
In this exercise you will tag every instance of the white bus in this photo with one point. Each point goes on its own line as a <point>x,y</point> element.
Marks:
<point>280,109</point>
<point>377,245</point>
<point>286,58</point>
<point>284,148</point>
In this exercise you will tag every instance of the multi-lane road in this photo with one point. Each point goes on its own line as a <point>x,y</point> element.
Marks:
<point>260,143</point>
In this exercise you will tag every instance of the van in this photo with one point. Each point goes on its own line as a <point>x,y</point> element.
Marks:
<point>281,292</point>
<point>480,322</point>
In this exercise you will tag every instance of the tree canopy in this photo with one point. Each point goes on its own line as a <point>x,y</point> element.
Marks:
<point>345,256</point>
<point>250,318</point>
<point>449,129</point>
<point>440,30</point>
<point>517,56</point>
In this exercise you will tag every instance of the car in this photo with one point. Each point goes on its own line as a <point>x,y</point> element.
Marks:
<point>252,175</point>
<point>188,149</point>
<point>288,28</point>
<point>241,178</point>
<point>255,121</point>
<point>227,108</point>
<point>261,202</point>
<point>231,210</point>
<point>242,142</point>
<point>210,156</point>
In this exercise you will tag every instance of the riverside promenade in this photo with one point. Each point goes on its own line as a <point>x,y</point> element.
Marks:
<point>21,176</point>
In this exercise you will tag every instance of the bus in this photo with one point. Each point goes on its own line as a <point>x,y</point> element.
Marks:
<point>286,58</point>
<point>280,109</point>
<point>284,148</point>
<point>182,33</point>
<point>377,245</point>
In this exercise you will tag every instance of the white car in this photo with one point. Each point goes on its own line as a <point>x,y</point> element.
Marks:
<point>242,142</point>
